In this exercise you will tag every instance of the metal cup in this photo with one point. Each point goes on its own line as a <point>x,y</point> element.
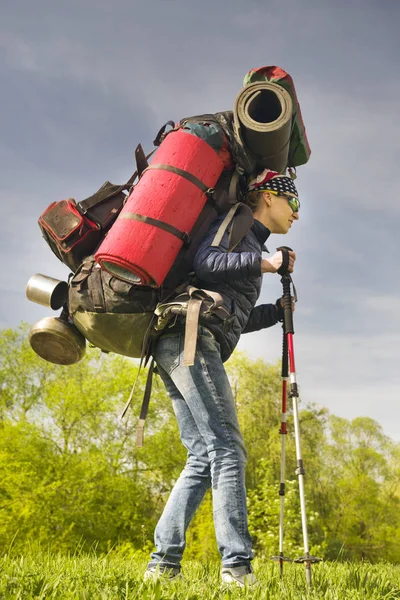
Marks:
<point>47,291</point>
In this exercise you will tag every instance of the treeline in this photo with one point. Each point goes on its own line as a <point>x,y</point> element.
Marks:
<point>72,477</point>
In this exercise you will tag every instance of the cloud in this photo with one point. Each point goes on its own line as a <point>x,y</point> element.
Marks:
<point>387,305</point>
<point>19,52</point>
<point>86,81</point>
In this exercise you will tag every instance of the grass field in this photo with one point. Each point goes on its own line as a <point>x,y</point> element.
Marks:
<point>87,577</point>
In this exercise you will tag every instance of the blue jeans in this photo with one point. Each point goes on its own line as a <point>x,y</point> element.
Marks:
<point>205,410</point>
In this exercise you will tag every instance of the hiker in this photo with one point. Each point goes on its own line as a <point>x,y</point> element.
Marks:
<point>201,394</point>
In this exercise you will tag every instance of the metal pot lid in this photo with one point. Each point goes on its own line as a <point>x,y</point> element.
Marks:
<point>57,341</point>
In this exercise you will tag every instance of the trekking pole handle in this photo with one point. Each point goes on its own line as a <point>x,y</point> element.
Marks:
<point>286,283</point>
<point>283,269</point>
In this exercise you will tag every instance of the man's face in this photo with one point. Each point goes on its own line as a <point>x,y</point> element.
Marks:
<point>280,213</point>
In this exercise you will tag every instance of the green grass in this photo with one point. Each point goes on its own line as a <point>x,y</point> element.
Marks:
<point>84,577</point>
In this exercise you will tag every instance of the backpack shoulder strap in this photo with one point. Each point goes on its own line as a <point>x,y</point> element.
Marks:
<point>224,225</point>
<point>241,225</point>
<point>242,219</point>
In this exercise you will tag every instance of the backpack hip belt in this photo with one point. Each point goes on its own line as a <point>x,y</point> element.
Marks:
<point>195,304</point>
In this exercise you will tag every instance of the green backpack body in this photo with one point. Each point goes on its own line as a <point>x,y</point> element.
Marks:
<point>110,313</point>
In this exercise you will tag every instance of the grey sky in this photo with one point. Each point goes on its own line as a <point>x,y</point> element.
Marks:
<point>82,82</point>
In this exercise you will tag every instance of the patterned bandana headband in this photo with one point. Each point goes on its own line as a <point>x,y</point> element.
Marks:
<point>271,180</point>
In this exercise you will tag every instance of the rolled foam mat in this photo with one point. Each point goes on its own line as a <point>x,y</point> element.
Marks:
<point>142,252</point>
<point>263,118</point>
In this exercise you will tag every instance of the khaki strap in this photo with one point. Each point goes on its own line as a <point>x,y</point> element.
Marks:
<point>182,235</point>
<point>147,392</point>
<point>192,178</point>
<point>191,327</point>
<point>192,307</point>
<point>205,294</point>
<point>140,433</point>
<point>224,225</point>
<point>122,415</point>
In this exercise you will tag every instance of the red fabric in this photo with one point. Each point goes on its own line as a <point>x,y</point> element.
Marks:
<point>273,73</point>
<point>226,156</point>
<point>67,233</point>
<point>263,177</point>
<point>148,251</point>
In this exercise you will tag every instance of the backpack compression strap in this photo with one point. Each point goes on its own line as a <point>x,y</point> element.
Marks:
<point>145,405</point>
<point>192,304</point>
<point>182,235</point>
<point>189,176</point>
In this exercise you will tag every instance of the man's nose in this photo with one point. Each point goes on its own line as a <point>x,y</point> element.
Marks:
<point>296,216</point>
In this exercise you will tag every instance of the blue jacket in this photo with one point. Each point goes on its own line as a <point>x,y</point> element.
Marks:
<point>237,277</point>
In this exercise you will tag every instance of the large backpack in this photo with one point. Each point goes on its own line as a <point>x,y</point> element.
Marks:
<point>119,316</point>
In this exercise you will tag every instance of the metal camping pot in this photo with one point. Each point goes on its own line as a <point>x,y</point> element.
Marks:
<point>57,341</point>
<point>47,291</point>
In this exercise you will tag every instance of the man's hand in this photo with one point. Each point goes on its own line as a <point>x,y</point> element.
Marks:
<point>275,261</point>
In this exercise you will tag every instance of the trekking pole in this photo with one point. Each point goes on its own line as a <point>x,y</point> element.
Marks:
<point>286,280</point>
<point>283,431</point>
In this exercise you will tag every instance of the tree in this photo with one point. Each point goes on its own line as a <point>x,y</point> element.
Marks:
<point>71,473</point>
<point>69,466</point>
<point>257,391</point>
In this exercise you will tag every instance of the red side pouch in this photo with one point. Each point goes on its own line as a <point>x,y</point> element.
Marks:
<point>71,235</point>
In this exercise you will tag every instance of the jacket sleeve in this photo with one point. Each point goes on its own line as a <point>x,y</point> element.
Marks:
<point>261,317</point>
<point>215,264</point>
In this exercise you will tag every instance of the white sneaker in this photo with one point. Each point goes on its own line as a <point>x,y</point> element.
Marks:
<point>161,572</point>
<point>240,576</point>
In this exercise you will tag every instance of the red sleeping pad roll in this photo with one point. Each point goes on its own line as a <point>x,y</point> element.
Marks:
<point>161,211</point>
